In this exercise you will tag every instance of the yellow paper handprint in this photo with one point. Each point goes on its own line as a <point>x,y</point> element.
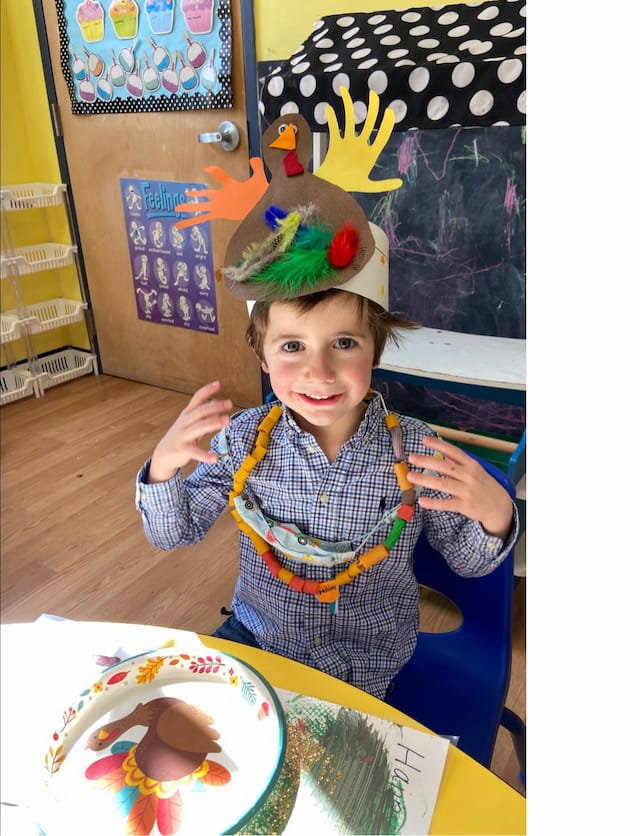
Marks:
<point>351,158</point>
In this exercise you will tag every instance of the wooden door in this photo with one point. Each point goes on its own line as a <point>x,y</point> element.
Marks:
<point>103,148</point>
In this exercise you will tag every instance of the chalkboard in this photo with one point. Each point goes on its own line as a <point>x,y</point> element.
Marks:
<point>456,231</point>
<point>453,409</point>
<point>456,228</point>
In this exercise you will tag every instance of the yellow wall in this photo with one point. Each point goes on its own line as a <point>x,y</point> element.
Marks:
<point>28,148</point>
<point>29,156</point>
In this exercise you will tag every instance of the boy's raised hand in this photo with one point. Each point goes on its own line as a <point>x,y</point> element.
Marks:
<point>473,492</point>
<point>203,415</point>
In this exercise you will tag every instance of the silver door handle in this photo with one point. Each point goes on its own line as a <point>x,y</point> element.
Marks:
<point>227,135</point>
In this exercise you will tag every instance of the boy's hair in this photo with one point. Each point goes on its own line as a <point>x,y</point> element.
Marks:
<point>384,325</point>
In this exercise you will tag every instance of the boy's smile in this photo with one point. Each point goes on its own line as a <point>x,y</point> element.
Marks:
<point>319,363</point>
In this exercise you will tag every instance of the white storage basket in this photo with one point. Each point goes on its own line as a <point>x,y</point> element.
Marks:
<point>43,316</point>
<point>17,383</point>
<point>65,365</point>
<point>31,195</point>
<point>10,326</point>
<point>38,257</point>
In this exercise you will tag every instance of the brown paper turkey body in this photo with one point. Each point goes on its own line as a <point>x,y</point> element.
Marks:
<point>301,232</point>
<point>313,203</point>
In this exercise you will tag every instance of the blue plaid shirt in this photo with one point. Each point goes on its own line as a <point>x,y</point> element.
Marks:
<point>373,633</point>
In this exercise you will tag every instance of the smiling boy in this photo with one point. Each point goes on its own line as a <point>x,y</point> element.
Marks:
<point>319,483</point>
<point>322,494</point>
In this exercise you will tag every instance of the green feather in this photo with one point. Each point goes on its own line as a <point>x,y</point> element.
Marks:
<point>298,270</point>
<point>314,238</point>
<point>301,267</point>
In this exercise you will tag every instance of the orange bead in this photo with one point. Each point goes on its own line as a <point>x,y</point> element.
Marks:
<point>373,556</point>
<point>310,587</point>
<point>355,568</point>
<point>272,563</point>
<point>286,575</point>
<point>344,577</point>
<point>328,594</point>
<point>248,464</point>
<point>401,470</point>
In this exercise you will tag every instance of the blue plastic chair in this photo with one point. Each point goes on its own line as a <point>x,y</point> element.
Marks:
<point>456,683</point>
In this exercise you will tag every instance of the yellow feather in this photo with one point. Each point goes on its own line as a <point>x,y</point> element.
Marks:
<point>288,228</point>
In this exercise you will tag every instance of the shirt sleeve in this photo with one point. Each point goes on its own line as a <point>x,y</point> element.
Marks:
<point>181,511</point>
<point>464,543</point>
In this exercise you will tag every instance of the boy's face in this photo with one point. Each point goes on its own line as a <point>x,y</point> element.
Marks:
<point>320,361</point>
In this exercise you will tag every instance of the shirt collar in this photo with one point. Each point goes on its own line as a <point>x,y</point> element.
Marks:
<point>368,426</point>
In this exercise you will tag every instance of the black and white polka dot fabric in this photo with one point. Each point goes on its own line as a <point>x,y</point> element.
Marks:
<point>435,67</point>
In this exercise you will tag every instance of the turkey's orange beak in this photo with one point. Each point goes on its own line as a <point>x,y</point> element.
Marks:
<point>286,140</point>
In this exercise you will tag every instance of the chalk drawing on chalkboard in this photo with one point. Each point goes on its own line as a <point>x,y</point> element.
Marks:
<point>456,228</point>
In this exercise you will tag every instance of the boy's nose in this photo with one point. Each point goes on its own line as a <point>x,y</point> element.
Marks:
<point>319,367</point>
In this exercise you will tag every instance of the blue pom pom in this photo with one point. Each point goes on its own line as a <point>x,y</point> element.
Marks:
<point>274,214</point>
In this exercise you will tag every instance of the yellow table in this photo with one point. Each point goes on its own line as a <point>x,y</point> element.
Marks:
<point>471,800</point>
<point>56,658</point>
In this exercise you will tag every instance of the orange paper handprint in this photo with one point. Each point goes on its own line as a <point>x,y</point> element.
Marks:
<point>233,200</point>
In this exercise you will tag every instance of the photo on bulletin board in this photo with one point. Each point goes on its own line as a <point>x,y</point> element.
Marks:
<point>128,56</point>
<point>172,269</point>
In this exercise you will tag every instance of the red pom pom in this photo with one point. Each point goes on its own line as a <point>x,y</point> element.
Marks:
<point>344,246</point>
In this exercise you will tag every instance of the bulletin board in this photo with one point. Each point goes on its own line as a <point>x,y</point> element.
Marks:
<point>122,56</point>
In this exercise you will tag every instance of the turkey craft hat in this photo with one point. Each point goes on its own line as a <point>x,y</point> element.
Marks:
<point>302,232</point>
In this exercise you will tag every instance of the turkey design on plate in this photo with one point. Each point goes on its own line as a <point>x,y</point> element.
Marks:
<point>164,743</point>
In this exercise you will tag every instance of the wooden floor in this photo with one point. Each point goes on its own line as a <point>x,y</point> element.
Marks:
<point>72,540</point>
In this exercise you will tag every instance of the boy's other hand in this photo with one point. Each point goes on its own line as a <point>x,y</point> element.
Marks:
<point>473,492</point>
<point>203,415</point>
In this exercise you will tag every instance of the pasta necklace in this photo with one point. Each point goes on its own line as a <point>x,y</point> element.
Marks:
<point>326,591</point>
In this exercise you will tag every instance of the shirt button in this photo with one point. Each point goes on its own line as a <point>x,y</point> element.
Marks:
<point>311,449</point>
<point>324,498</point>
<point>317,641</point>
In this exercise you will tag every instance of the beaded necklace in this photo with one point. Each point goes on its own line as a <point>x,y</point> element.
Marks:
<point>326,591</point>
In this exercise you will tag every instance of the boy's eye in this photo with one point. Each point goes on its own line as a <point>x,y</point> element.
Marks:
<point>292,345</point>
<point>345,342</point>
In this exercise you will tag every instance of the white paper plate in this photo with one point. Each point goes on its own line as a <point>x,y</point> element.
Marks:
<point>163,743</point>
